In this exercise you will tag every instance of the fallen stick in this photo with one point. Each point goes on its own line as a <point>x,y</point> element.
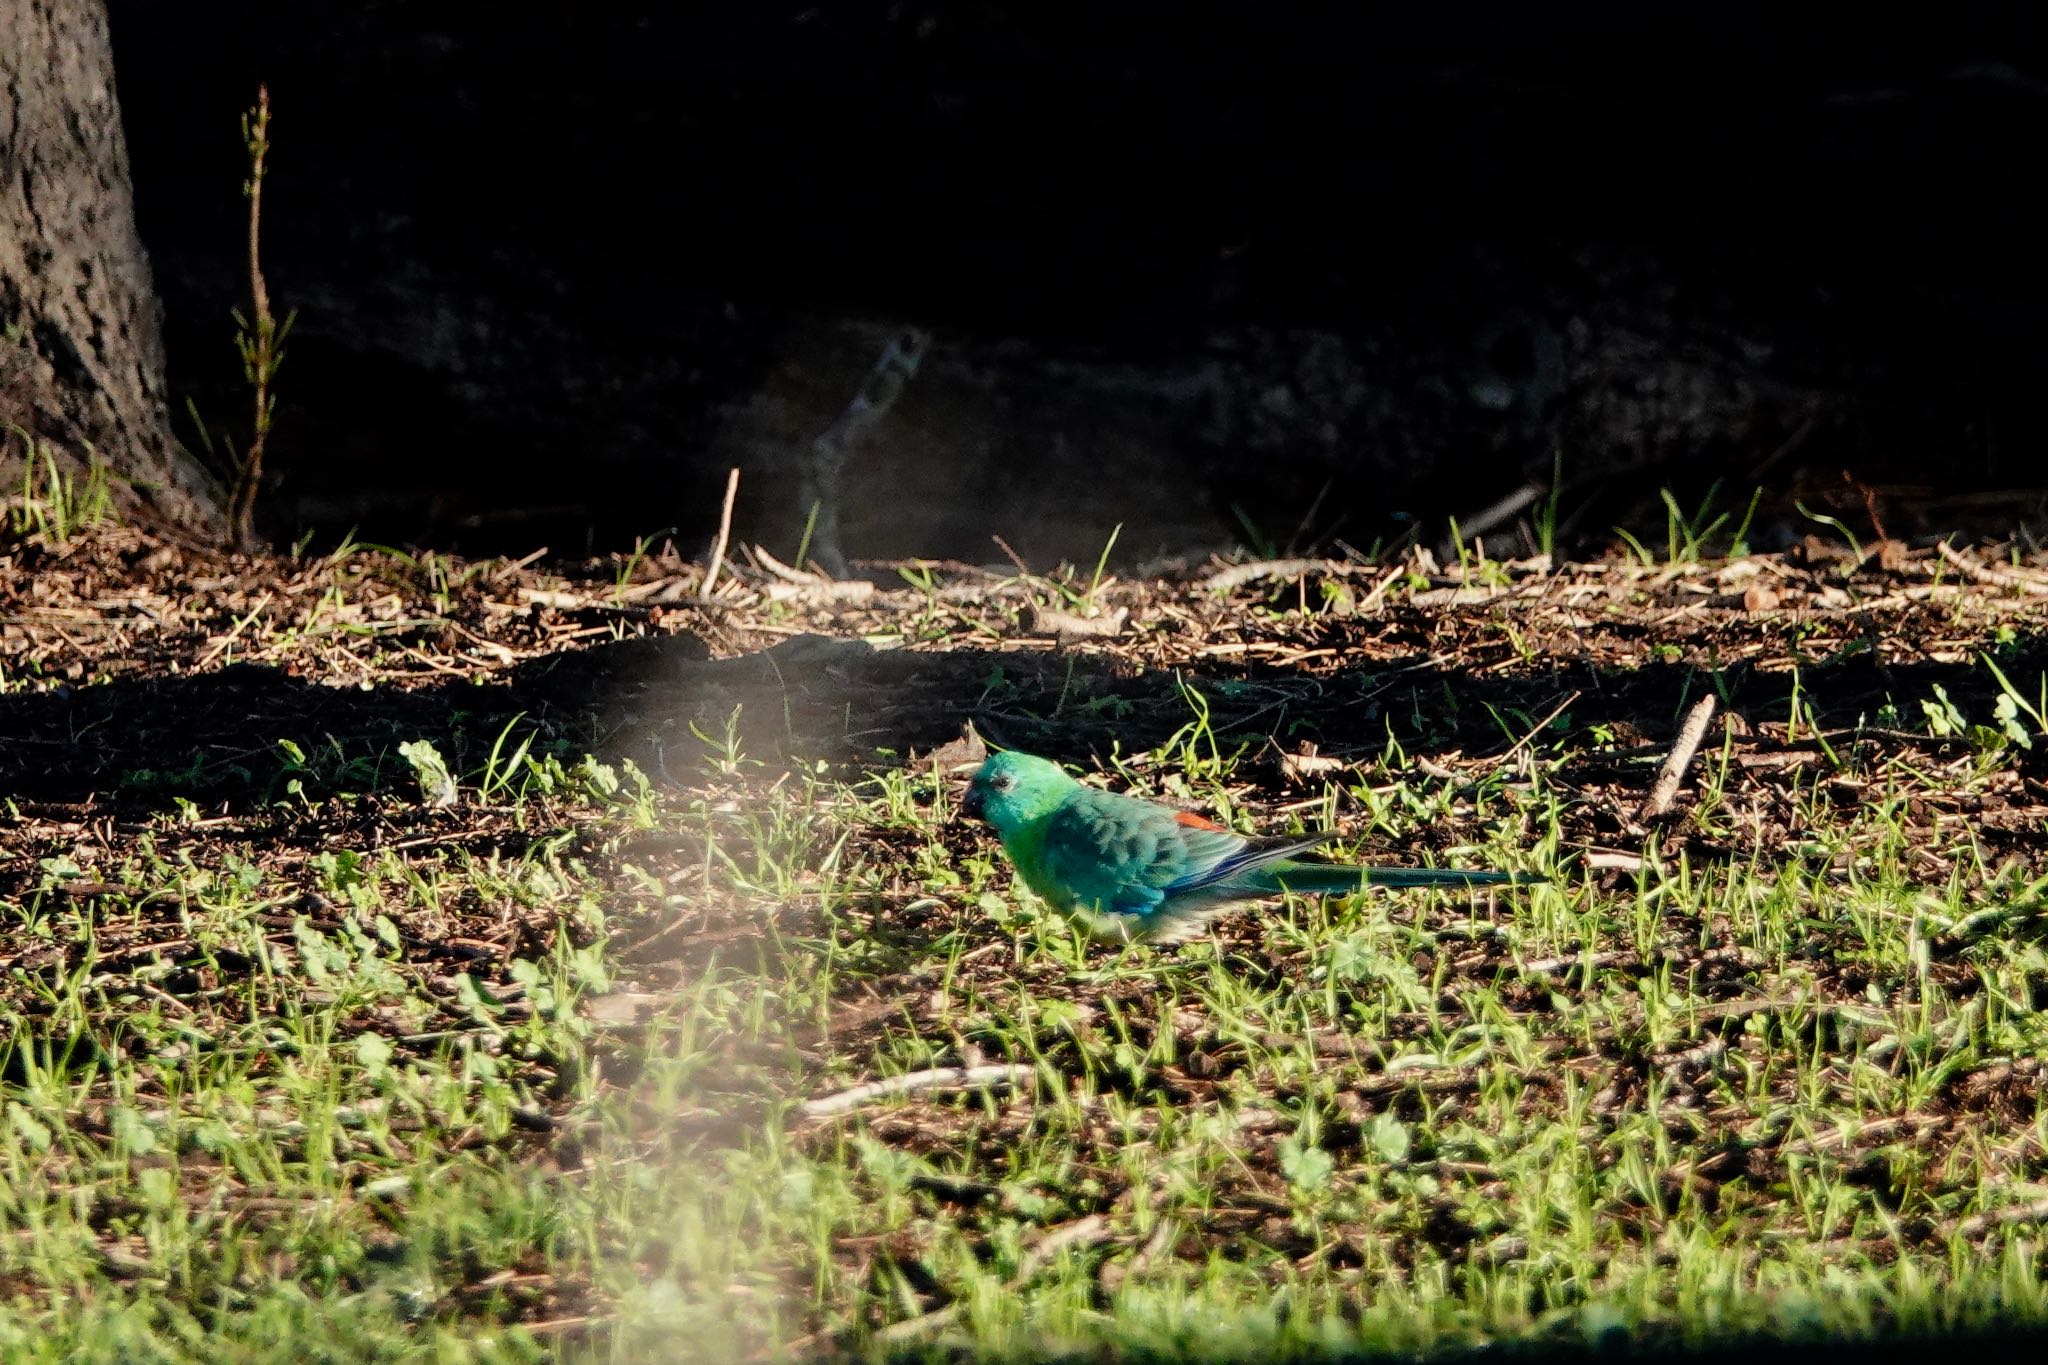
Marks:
<point>2035,1211</point>
<point>785,572</point>
<point>1539,727</point>
<point>732,488</point>
<point>1497,513</point>
<point>910,1082</point>
<point>1238,575</point>
<point>1548,966</point>
<point>1682,750</point>
<point>1379,590</point>
<point>1984,573</point>
<point>220,645</point>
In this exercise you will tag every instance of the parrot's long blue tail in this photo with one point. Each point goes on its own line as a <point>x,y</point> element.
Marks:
<point>1321,879</point>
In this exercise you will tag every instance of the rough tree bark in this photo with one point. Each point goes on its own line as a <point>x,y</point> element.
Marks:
<point>81,345</point>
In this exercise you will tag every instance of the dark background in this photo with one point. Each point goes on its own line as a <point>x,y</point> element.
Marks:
<point>1192,268</point>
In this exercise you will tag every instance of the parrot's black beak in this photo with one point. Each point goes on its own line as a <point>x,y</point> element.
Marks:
<point>970,802</point>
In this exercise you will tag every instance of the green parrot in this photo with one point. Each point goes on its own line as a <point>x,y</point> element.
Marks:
<point>1133,869</point>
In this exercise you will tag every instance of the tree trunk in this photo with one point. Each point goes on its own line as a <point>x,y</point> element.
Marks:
<point>81,344</point>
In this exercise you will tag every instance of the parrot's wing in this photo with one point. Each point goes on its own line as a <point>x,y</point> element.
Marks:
<point>1146,871</point>
<point>1122,855</point>
<point>1190,904</point>
<point>1250,854</point>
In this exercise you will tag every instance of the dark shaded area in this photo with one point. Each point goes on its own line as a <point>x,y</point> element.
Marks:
<point>140,742</point>
<point>1325,268</point>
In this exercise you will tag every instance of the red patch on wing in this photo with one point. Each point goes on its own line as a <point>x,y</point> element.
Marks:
<point>1194,821</point>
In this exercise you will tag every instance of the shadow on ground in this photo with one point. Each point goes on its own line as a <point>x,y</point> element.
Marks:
<point>242,736</point>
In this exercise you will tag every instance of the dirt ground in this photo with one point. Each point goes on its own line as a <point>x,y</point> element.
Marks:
<point>262,699</point>
<point>138,670</point>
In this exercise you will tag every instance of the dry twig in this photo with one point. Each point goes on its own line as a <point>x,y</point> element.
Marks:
<point>732,489</point>
<point>1682,750</point>
<point>1237,575</point>
<point>1540,726</point>
<point>1983,573</point>
<point>936,1078</point>
<point>1496,513</point>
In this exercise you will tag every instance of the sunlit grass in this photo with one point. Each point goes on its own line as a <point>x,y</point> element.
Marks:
<point>266,1098</point>
<point>1650,1109</point>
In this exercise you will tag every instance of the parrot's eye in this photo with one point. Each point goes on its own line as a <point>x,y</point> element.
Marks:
<point>1003,782</point>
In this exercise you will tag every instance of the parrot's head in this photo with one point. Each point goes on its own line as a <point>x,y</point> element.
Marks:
<point>1011,790</point>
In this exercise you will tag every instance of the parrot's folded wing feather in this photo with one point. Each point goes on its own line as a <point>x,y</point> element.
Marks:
<point>1137,870</point>
<point>1102,852</point>
<point>1248,855</point>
